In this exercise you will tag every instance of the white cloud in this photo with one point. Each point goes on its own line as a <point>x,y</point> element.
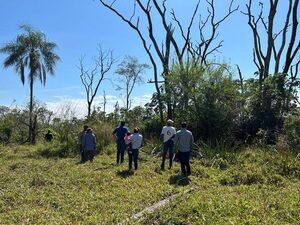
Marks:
<point>66,106</point>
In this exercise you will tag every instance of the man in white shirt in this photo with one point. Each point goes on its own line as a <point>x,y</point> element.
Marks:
<point>168,133</point>
<point>133,153</point>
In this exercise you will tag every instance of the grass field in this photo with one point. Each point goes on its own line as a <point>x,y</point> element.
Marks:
<point>250,187</point>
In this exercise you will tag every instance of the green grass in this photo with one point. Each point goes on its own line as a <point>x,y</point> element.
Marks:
<point>254,187</point>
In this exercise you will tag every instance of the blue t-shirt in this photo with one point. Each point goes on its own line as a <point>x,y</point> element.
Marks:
<point>120,133</point>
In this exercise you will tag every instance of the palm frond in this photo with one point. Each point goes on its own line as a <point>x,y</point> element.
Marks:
<point>31,50</point>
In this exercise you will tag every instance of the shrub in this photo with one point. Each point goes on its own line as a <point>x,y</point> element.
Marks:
<point>292,130</point>
<point>5,134</point>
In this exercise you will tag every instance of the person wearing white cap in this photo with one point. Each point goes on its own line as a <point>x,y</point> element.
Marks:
<point>168,133</point>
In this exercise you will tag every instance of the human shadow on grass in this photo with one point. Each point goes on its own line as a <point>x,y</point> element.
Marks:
<point>103,168</point>
<point>125,173</point>
<point>179,180</point>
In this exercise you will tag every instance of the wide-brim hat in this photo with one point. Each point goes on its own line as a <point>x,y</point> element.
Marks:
<point>170,121</point>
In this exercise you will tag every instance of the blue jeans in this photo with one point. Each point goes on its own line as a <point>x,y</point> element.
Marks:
<point>121,147</point>
<point>133,156</point>
<point>167,146</point>
<point>184,158</point>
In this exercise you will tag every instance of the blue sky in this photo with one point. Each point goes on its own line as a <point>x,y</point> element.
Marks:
<point>78,26</point>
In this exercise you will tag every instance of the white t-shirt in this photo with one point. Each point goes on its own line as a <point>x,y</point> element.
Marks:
<point>168,132</point>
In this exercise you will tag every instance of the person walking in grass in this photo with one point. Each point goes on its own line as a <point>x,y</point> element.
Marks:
<point>136,141</point>
<point>184,140</point>
<point>80,138</point>
<point>167,134</point>
<point>120,132</point>
<point>89,145</point>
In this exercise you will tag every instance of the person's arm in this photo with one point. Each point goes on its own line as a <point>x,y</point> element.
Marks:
<point>95,142</point>
<point>176,139</point>
<point>174,133</point>
<point>162,134</point>
<point>141,141</point>
<point>83,142</point>
<point>192,141</point>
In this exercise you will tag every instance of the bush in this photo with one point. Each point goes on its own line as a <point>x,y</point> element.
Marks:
<point>244,176</point>
<point>5,134</point>
<point>292,130</point>
<point>56,149</point>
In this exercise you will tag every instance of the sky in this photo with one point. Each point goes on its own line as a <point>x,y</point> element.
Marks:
<point>79,26</point>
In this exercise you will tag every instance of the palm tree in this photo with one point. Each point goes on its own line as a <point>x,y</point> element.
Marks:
<point>31,50</point>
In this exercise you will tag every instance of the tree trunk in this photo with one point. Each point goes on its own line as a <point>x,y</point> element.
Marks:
<point>89,109</point>
<point>30,133</point>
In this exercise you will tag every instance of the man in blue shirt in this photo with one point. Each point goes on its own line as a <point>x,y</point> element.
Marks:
<point>120,132</point>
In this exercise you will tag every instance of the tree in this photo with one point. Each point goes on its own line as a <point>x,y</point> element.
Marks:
<point>31,50</point>
<point>280,45</point>
<point>91,79</point>
<point>274,54</point>
<point>200,49</point>
<point>130,70</point>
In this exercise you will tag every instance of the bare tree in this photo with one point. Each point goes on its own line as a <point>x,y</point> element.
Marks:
<point>274,54</point>
<point>169,42</point>
<point>281,47</point>
<point>91,79</point>
<point>104,103</point>
<point>131,72</point>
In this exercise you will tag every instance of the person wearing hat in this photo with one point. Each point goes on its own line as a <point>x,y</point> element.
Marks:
<point>167,134</point>
<point>184,140</point>
<point>89,145</point>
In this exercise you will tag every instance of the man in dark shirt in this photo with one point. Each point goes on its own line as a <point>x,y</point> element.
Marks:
<point>48,136</point>
<point>120,132</point>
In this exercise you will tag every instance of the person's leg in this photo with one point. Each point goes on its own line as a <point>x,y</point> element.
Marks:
<point>164,153</point>
<point>81,153</point>
<point>171,153</point>
<point>88,155</point>
<point>135,158</point>
<point>82,156</point>
<point>188,168</point>
<point>85,157</point>
<point>181,159</point>
<point>130,158</point>
<point>92,153</point>
<point>118,152</point>
<point>123,148</point>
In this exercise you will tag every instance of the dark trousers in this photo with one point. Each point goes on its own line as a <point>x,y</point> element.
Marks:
<point>88,155</point>
<point>133,154</point>
<point>121,147</point>
<point>81,153</point>
<point>184,158</point>
<point>167,146</point>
